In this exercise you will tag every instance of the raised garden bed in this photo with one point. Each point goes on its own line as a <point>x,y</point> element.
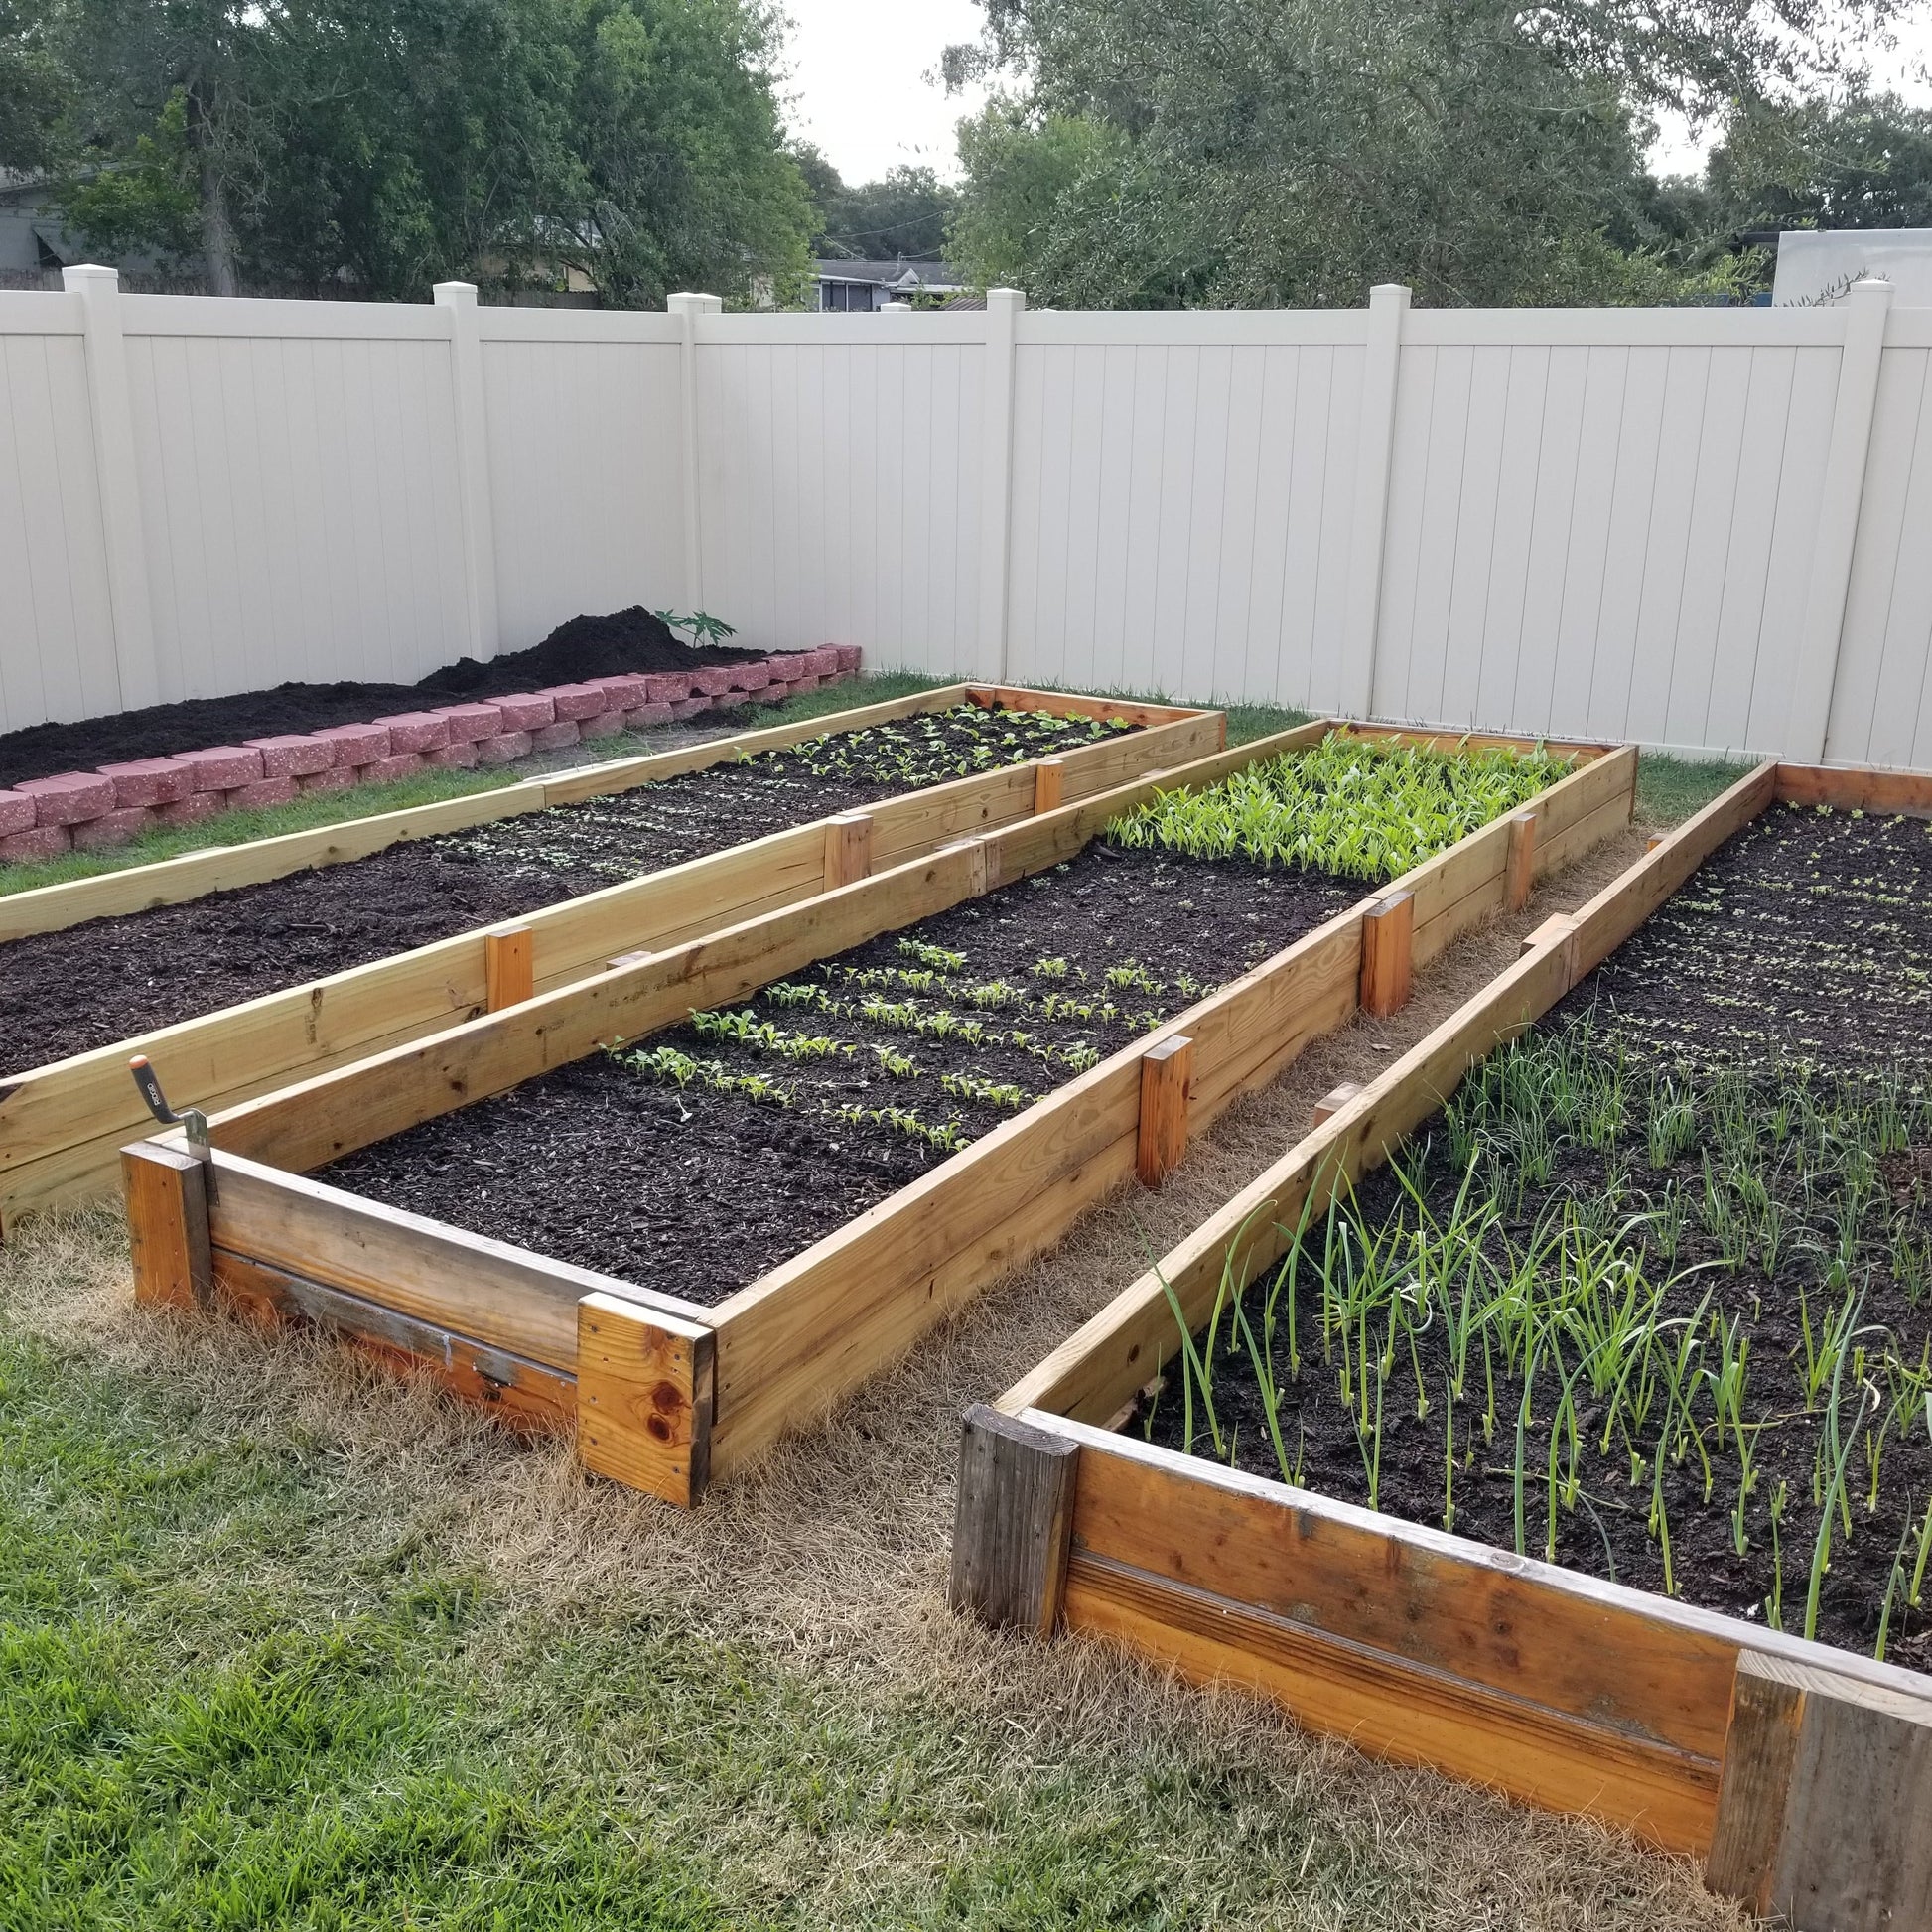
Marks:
<point>672,1390</point>
<point>165,982</point>
<point>1648,1298</point>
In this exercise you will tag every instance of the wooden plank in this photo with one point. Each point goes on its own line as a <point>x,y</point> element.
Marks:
<point>501,1296</point>
<point>848,848</point>
<point>1019,697</point>
<point>526,1394</point>
<point>1520,872</point>
<point>1852,789</point>
<point>1048,780</point>
<point>1334,1100</point>
<point>1388,935</point>
<point>1447,739</point>
<point>1584,1650</point>
<point>1828,1783</point>
<point>644,1392</point>
<point>1012,1521</point>
<point>1398,1712</point>
<point>167,1225</point>
<point>1167,1074</point>
<point>508,968</point>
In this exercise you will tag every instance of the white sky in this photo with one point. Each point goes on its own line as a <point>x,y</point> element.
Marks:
<point>864,83</point>
<point>864,86</point>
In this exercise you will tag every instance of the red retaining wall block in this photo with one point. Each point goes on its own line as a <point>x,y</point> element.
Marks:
<point>850,656</point>
<point>398,764</point>
<point>68,798</point>
<point>470,723</point>
<point>771,694</point>
<point>825,662</point>
<point>415,731</point>
<point>18,813</point>
<point>607,724</point>
<point>355,743</point>
<point>648,714</point>
<point>193,809</point>
<point>800,684</point>
<point>690,707</point>
<point>526,711</point>
<point>264,792</point>
<point>575,702</point>
<point>667,687</point>
<point>292,755</point>
<point>553,738</point>
<point>43,842</point>
<point>148,781</point>
<point>714,680</point>
<point>453,757</point>
<point>112,828</point>
<point>504,749</point>
<point>221,767</point>
<point>339,777</point>
<point>624,693</point>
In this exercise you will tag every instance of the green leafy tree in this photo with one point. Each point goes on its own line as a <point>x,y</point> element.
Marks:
<point>1160,152</point>
<point>903,215</point>
<point>1863,161</point>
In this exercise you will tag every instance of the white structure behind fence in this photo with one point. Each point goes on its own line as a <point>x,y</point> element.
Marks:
<point>1709,529</point>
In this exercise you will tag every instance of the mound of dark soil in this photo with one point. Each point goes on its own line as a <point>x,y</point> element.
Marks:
<point>585,647</point>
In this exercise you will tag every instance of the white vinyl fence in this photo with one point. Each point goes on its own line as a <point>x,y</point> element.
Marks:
<point>1707,530</point>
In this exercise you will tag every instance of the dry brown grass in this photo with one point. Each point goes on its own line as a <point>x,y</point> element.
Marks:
<point>831,1559</point>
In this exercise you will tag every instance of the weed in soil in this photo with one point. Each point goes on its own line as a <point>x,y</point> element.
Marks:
<point>1650,1299</point>
<point>91,985</point>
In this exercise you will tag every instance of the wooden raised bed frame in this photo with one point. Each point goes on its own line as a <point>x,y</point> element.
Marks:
<point>61,1126</point>
<point>1798,1771</point>
<point>669,1395</point>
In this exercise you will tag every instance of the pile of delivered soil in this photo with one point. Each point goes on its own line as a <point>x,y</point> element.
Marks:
<point>587,647</point>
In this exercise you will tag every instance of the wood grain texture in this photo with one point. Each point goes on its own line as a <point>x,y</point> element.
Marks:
<point>167,1225</point>
<point>1166,1075</point>
<point>1520,872</point>
<point>645,1393</point>
<point>1388,935</point>
<point>509,968</point>
<point>1049,776</point>
<point>848,848</point>
<point>1760,1753</point>
<point>1012,1521</point>
<point>1851,788</point>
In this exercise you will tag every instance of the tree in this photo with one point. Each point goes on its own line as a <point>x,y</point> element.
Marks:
<point>1858,162</point>
<point>903,215</point>
<point>1228,152</point>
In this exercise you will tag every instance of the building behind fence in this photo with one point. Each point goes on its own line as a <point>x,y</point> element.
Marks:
<point>1708,529</point>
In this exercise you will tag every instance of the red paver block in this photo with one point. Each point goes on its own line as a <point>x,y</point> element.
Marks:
<point>453,757</point>
<point>193,809</point>
<point>221,767</point>
<point>112,828</point>
<point>68,798</point>
<point>646,714</point>
<point>771,694</point>
<point>825,662</point>
<point>576,702</point>
<point>624,693</point>
<point>607,724</point>
<point>148,781</point>
<point>800,684</point>
<point>355,743</point>
<point>690,707</point>
<point>504,749</point>
<point>264,792</point>
<point>790,664</point>
<point>18,813</point>
<point>850,659</point>
<point>526,711</point>
<point>553,738</point>
<point>667,687</point>
<point>415,731</point>
<point>385,772</point>
<point>747,677</point>
<point>716,679</point>
<point>470,723</point>
<point>42,842</point>
<point>339,777</point>
<point>292,755</point>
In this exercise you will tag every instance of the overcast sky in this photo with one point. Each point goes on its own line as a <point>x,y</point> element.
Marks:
<point>865,87</point>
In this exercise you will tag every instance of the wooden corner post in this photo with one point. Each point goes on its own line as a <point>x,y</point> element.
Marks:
<point>167,1224</point>
<point>1167,1078</point>
<point>1049,776</point>
<point>1388,942</point>
<point>1821,1808</point>
<point>645,1391</point>
<point>509,967</point>
<point>1520,872</point>
<point>848,848</point>
<point>1012,1523</point>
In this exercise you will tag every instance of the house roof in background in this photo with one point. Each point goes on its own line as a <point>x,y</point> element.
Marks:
<point>913,276</point>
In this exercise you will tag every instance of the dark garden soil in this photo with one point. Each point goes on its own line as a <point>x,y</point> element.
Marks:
<point>586,647</point>
<point>1786,984</point>
<point>700,1161</point>
<point>91,985</point>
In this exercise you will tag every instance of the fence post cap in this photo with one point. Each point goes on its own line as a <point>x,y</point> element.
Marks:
<point>454,295</point>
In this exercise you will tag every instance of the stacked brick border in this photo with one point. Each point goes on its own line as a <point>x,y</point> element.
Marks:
<point>84,811</point>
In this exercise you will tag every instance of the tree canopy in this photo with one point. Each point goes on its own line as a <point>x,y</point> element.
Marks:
<point>385,144</point>
<point>1179,152</point>
<point>903,214</point>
